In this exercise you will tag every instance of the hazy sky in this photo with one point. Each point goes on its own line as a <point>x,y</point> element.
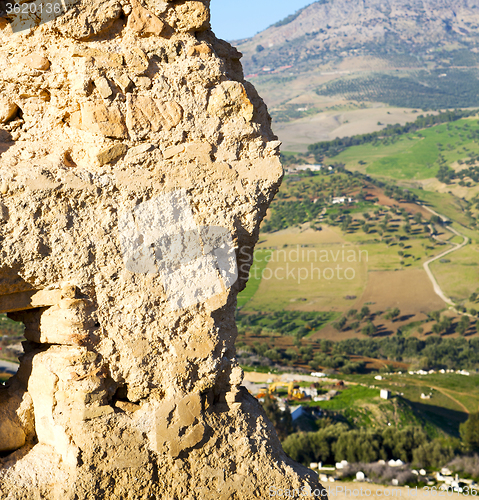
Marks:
<point>233,19</point>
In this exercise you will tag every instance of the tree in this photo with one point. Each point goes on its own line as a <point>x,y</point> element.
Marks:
<point>431,455</point>
<point>339,325</point>
<point>463,325</point>
<point>282,420</point>
<point>369,330</point>
<point>446,323</point>
<point>364,313</point>
<point>469,431</point>
<point>437,328</point>
<point>272,354</point>
<point>257,330</point>
<point>435,315</point>
<point>393,314</point>
<point>417,217</point>
<point>326,345</point>
<point>291,353</point>
<point>358,446</point>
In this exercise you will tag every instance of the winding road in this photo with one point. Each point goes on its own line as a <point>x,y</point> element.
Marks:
<point>455,248</point>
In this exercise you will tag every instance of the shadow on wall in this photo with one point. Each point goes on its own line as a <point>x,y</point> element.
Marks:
<point>6,141</point>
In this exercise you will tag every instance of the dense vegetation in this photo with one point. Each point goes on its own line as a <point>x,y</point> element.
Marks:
<point>433,353</point>
<point>336,442</point>
<point>294,323</point>
<point>333,148</point>
<point>9,327</point>
<point>470,432</point>
<point>435,89</point>
<point>307,196</point>
<point>291,213</point>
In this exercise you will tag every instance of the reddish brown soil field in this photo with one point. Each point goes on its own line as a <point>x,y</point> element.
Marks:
<point>412,208</point>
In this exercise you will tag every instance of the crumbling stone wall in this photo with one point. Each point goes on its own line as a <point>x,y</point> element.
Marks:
<point>135,167</point>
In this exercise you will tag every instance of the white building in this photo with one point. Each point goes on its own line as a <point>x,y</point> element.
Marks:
<point>385,394</point>
<point>342,199</point>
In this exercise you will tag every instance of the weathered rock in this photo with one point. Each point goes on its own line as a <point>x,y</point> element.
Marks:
<point>136,165</point>
<point>111,153</point>
<point>8,109</point>
<point>103,87</point>
<point>145,114</point>
<point>37,61</point>
<point>12,434</point>
<point>98,118</point>
<point>142,21</point>
<point>230,98</point>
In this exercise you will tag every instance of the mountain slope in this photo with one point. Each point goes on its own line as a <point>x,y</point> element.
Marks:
<point>335,28</point>
<point>326,68</point>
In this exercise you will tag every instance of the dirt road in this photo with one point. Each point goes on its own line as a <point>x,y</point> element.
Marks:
<point>437,289</point>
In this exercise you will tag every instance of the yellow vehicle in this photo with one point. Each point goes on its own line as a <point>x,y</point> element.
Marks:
<point>294,392</point>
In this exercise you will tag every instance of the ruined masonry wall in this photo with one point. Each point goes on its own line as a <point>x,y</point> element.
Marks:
<point>135,163</point>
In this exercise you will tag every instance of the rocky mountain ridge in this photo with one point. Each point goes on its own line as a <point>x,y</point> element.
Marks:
<point>338,28</point>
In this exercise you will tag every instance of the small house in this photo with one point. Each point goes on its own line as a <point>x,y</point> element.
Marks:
<point>385,394</point>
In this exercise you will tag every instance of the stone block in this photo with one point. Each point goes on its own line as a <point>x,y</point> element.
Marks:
<point>111,153</point>
<point>143,21</point>
<point>99,119</point>
<point>230,99</point>
<point>8,110</point>
<point>145,115</point>
<point>37,61</point>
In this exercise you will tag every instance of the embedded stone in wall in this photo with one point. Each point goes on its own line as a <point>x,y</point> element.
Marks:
<point>145,115</point>
<point>230,98</point>
<point>98,118</point>
<point>8,109</point>
<point>142,21</point>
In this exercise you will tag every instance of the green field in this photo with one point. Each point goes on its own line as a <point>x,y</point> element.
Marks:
<point>305,276</point>
<point>395,228</point>
<point>307,284</point>
<point>415,156</point>
<point>451,396</point>
<point>260,261</point>
<point>445,203</point>
<point>459,277</point>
